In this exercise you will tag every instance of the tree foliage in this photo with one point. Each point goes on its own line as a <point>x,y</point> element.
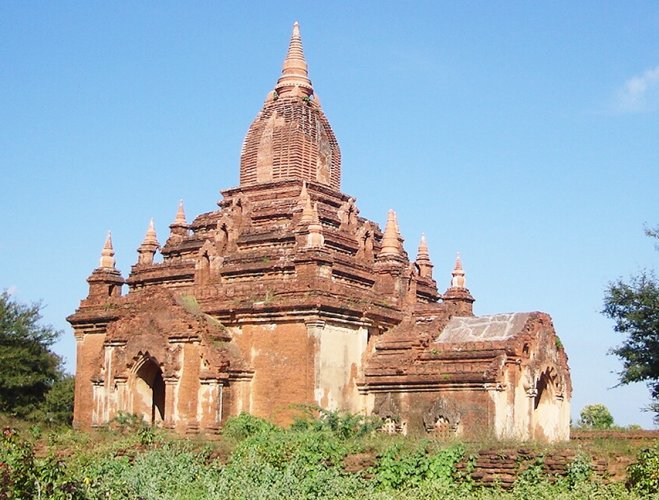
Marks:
<point>31,377</point>
<point>634,306</point>
<point>596,416</point>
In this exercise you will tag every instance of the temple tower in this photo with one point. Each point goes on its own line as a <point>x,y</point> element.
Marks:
<point>291,138</point>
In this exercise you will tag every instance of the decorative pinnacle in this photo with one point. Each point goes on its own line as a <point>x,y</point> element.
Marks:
<point>180,215</point>
<point>308,212</point>
<point>315,238</point>
<point>294,75</point>
<point>422,253</point>
<point>458,275</point>
<point>390,238</point>
<point>149,246</point>
<point>107,254</point>
<point>150,236</point>
<point>304,195</point>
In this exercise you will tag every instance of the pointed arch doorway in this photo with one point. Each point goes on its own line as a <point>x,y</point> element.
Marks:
<point>149,392</point>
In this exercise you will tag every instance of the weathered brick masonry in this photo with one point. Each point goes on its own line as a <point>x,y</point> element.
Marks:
<point>285,295</point>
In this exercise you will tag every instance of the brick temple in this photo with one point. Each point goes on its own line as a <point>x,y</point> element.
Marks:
<point>285,295</point>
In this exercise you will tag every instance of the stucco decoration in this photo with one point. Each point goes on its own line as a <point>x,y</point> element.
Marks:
<point>442,417</point>
<point>388,409</point>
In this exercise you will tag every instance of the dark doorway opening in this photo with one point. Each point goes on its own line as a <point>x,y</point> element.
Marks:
<point>152,391</point>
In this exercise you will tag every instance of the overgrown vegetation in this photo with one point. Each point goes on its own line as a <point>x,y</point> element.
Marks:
<point>644,474</point>
<point>323,455</point>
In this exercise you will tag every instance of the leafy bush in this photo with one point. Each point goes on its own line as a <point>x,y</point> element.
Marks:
<point>287,463</point>
<point>644,474</point>
<point>24,476</point>
<point>245,425</point>
<point>400,469</point>
<point>343,424</point>
<point>171,471</point>
<point>580,470</point>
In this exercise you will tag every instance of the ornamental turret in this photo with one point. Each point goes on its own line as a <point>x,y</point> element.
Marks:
<point>391,240</point>
<point>107,254</point>
<point>180,226</point>
<point>423,259</point>
<point>147,250</point>
<point>315,238</point>
<point>457,296</point>
<point>106,280</point>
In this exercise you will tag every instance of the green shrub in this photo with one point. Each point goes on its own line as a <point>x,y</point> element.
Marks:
<point>530,478</point>
<point>643,475</point>
<point>400,469</point>
<point>245,425</point>
<point>345,425</point>
<point>286,463</point>
<point>22,475</point>
<point>578,471</point>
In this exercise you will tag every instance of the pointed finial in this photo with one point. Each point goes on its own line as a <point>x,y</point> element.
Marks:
<point>179,228</point>
<point>180,214</point>
<point>294,75</point>
<point>422,252</point>
<point>304,194</point>
<point>107,254</point>
<point>458,275</point>
<point>150,236</point>
<point>390,238</point>
<point>147,249</point>
<point>423,259</point>
<point>315,238</point>
<point>307,211</point>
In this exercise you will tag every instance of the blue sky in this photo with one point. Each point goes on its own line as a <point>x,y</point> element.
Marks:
<point>523,135</point>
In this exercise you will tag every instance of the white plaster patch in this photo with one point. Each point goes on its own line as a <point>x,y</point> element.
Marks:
<point>339,356</point>
<point>494,327</point>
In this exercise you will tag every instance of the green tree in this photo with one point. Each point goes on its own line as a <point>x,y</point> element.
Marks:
<point>595,416</point>
<point>634,306</point>
<point>29,370</point>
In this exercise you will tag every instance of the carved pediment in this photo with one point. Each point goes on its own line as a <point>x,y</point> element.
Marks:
<point>442,411</point>
<point>388,409</point>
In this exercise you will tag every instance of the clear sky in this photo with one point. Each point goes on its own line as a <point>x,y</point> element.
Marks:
<point>523,135</point>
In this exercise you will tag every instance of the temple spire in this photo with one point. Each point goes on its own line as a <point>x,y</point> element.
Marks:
<point>180,215</point>
<point>423,259</point>
<point>147,249</point>
<point>150,236</point>
<point>391,237</point>
<point>294,77</point>
<point>458,275</point>
<point>105,281</point>
<point>457,298</point>
<point>107,254</point>
<point>422,252</point>
<point>178,228</point>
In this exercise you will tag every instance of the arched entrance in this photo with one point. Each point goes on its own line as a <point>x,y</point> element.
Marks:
<point>545,407</point>
<point>149,392</point>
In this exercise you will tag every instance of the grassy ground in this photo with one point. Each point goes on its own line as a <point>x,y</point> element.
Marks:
<point>339,458</point>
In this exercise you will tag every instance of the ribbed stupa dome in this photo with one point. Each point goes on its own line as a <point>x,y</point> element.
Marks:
<point>291,137</point>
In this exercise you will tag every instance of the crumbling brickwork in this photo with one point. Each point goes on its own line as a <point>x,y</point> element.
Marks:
<point>284,295</point>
